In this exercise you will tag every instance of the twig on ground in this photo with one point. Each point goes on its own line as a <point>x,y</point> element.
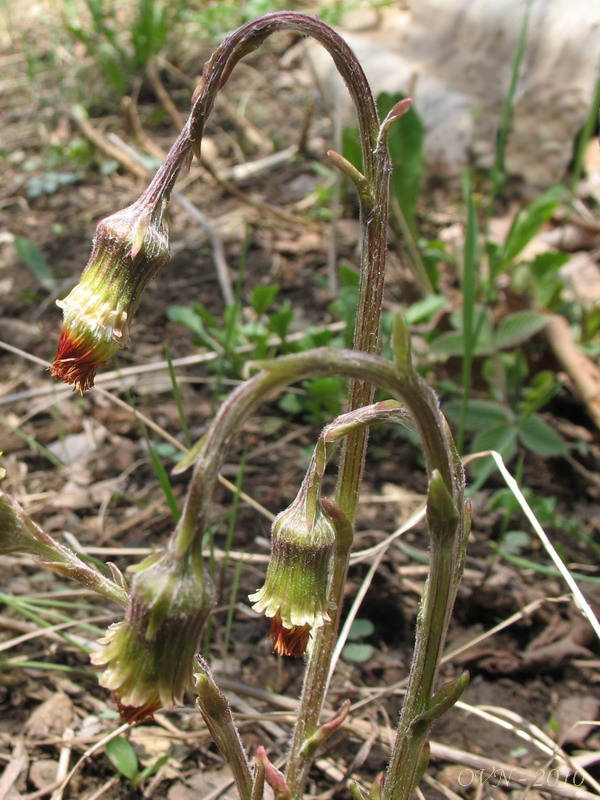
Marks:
<point>130,109</point>
<point>261,166</point>
<point>105,146</point>
<point>13,769</point>
<point>443,790</point>
<point>541,740</point>
<point>247,130</point>
<point>237,702</point>
<point>63,761</point>
<point>491,715</point>
<point>88,753</point>
<point>590,477</point>
<point>228,186</point>
<point>581,369</point>
<point>115,376</point>
<point>517,775</point>
<point>37,631</point>
<point>162,94</point>
<point>578,597</point>
<point>97,793</point>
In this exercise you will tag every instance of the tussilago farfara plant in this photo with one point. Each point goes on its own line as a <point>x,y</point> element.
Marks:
<point>151,657</point>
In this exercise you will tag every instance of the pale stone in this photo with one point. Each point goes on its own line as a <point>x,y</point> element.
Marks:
<point>455,58</point>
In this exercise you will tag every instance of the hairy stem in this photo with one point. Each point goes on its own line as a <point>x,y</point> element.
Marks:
<point>232,414</point>
<point>447,557</point>
<point>374,213</point>
<point>218,718</point>
<point>449,530</point>
<point>403,770</point>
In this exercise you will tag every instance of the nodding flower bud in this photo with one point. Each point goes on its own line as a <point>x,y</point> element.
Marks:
<point>130,247</point>
<point>295,592</point>
<point>149,656</point>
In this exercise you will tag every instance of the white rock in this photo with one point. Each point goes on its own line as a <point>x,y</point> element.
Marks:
<point>455,58</point>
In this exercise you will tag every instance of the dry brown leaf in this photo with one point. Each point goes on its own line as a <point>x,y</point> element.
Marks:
<point>179,791</point>
<point>582,277</point>
<point>51,717</point>
<point>72,497</point>
<point>73,448</point>
<point>591,160</point>
<point>553,656</point>
<point>43,772</point>
<point>17,763</point>
<point>150,743</point>
<point>570,712</point>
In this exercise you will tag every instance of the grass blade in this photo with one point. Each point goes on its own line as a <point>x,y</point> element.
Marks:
<point>32,442</point>
<point>163,478</point>
<point>160,471</point>
<point>177,395</point>
<point>471,258</point>
<point>580,600</point>
<point>228,542</point>
<point>497,174</point>
<point>584,137</point>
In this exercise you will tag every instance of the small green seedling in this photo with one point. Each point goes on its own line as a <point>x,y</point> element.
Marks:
<point>357,650</point>
<point>124,759</point>
<point>35,261</point>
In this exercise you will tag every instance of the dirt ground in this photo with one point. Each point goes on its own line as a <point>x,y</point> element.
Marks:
<point>81,468</point>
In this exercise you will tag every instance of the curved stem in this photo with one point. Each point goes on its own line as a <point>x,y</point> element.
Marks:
<point>376,169</point>
<point>230,417</point>
<point>374,213</point>
<point>251,35</point>
<point>446,556</point>
<point>448,542</point>
<point>406,386</point>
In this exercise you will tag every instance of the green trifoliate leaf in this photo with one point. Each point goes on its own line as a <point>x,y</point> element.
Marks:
<point>518,327</point>
<point>539,437</point>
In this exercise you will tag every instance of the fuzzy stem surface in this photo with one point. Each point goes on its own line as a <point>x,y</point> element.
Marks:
<point>374,214</point>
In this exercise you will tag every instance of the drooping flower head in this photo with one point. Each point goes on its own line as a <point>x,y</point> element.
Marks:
<point>295,593</point>
<point>130,247</point>
<point>148,658</point>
